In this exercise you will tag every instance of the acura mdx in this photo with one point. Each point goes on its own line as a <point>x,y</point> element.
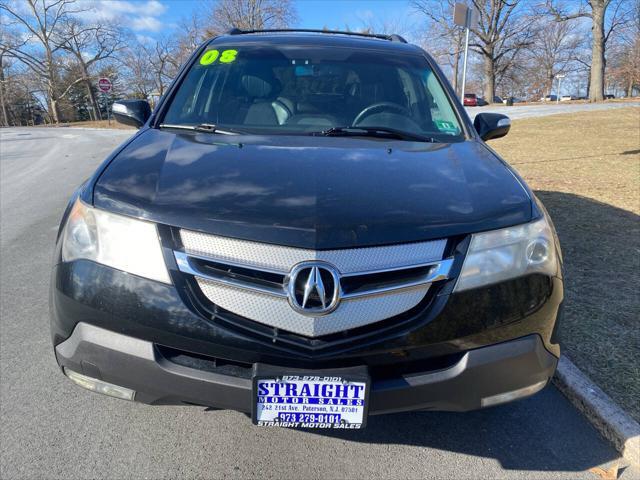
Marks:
<point>307,228</point>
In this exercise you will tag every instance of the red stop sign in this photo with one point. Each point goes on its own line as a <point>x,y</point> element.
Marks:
<point>104,84</point>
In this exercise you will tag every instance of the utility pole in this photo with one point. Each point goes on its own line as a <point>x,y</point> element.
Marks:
<point>467,18</point>
<point>559,94</point>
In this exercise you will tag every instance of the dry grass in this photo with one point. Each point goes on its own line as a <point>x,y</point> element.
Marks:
<point>585,167</point>
<point>101,124</point>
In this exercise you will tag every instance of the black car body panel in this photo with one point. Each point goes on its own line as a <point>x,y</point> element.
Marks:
<point>312,192</point>
<point>163,315</point>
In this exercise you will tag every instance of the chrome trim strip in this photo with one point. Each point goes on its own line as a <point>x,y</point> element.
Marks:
<point>185,266</point>
<point>231,263</point>
<point>440,271</point>
<point>391,269</point>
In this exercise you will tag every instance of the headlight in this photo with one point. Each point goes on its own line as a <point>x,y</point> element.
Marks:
<point>511,252</point>
<point>114,240</point>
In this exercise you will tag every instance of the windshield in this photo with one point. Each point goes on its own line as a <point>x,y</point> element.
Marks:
<point>284,89</point>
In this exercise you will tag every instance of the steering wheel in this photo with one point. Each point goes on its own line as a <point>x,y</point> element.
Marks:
<point>380,106</point>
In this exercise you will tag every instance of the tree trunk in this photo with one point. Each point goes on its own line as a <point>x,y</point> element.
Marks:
<point>456,67</point>
<point>549,84</point>
<point>53,103</point>
<point>95,114</point>
<point>490,78</point>
<point>51,87</point>
<point>5,118</point>
<point>596,82</point>
<point>55,112</point>
<point>92,100</point>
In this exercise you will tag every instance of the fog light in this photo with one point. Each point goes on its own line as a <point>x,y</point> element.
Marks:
<point>513,395</point>
<point>99,386</point>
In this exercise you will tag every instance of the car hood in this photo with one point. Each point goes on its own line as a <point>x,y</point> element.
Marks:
<point>312,192</point>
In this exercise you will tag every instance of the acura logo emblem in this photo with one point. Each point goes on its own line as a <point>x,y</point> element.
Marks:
<point>314,288</point>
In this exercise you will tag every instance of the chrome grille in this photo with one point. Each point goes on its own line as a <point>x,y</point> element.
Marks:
<point>251,279</point>
<point>276,311</point>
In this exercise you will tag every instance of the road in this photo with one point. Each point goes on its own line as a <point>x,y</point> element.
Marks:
<point>543,109</point>
<point>52,429</point>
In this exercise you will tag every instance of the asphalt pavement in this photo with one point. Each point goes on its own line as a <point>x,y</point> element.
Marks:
<point>50,428</point>
<point>551,108</point>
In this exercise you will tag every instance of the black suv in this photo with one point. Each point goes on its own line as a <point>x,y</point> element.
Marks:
<point>309,229</point>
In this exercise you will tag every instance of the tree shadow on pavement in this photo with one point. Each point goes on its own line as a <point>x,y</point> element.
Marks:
<point>545,432</point>
<point>541,433</point>
<point>599,332</point>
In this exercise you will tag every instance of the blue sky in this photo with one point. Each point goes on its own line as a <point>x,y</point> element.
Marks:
<point>152,17</point>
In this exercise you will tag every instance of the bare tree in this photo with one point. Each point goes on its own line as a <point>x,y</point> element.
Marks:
<point>391,24</point>
<point>7,42</point>
<point>443,38</point>
<point>4,119</point>
<point>160,60</point>
<point>624,54</point>
<point>249,15</point>
<point>41,21</point>
<point>192,34</point>
<point>504,30</point>
<point>596,11</point>
<point>138,75</point>
<point>553,52</point>
<point>89,44</point>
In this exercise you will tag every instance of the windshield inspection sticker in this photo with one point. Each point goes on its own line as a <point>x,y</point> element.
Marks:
<point>210,56</point>
<point>445,126</point>
<point>310,402</point>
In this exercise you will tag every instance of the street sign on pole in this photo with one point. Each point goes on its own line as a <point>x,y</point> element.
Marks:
<point>466,17</point>
<point>460,14</point>
<point>105,85</point>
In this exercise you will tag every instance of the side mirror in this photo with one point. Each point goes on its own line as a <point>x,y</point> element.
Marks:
<point>491,125</point>
<point>131,112</point>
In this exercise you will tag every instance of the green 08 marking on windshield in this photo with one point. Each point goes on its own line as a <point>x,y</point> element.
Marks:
<point>210,56</point>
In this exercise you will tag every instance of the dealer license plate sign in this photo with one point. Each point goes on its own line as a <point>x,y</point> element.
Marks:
<point>310,401</point>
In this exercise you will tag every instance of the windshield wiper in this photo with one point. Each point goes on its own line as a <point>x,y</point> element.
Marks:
<point>203,127</point>
<point>381,132</point>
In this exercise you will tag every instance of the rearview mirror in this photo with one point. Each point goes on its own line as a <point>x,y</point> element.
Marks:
<point>491,125</point>
<point>131,112</point>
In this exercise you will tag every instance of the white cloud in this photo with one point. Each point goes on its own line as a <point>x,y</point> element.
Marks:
<point>145,39</point>
<point>151,7</point>
<point>138,15</point>
<point>146,23</point>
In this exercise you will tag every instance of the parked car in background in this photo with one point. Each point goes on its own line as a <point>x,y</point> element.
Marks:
<point>568,98</point>
<point>549,98</point>
<point>609,96</point>
<point>470,100</point>
<point>497,99</point>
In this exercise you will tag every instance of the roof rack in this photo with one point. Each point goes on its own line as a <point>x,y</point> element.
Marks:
<point>393,37</point>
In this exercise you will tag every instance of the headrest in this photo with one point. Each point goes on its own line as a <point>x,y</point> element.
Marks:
<point>255,86</point>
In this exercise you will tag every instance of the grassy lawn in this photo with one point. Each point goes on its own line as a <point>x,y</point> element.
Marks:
<point>585,167</point>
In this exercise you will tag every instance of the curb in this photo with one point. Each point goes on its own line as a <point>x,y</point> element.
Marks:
<point>608,418</point>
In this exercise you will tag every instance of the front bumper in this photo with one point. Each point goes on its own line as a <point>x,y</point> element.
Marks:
<point>480,374</point>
